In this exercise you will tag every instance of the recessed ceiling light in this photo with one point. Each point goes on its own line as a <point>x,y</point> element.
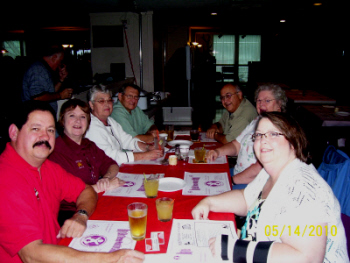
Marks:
<point>67,45</point>
<point>317,4</point>
<point>282,21</point>
<point>214,14</point>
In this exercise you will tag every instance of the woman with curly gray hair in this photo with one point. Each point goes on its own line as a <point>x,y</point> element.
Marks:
<point>276,91</point>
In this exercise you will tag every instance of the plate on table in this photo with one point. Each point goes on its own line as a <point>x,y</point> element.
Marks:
<point>171,184</point>
<point>343,113</point>
<point>180,142</point>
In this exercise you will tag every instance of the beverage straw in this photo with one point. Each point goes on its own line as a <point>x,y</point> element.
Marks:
<point>145,177</point>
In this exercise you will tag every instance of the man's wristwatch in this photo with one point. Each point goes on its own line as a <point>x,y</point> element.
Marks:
<point>82,212</point>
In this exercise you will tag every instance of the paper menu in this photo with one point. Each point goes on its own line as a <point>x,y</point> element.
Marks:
<point>133,186</point>
<point>104,236</point>
<point>189,239</point>
<point>205,183</point>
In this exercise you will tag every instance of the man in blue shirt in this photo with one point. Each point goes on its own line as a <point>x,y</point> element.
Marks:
<point>39,81</point>
<point>133,120</point>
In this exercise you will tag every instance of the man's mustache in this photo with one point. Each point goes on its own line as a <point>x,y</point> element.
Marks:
<point>47,144</point>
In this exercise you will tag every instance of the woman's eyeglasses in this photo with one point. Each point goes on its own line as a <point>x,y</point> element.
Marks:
<point>271,135</point>
<point>102,101</point>
<point>267,101</point>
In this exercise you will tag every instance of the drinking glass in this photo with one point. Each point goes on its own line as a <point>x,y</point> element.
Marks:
<point>151,185</point>
<point>184,150</point>
<point>194,135</point>
<point>137,213</point>
<point>162,140</point>
<point>199,154</point>
<point>164,207</point>
<point>170,131</point>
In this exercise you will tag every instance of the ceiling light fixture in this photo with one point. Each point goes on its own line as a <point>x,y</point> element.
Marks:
<point>282,21</point>
<point>214,14</point>
<point>317,4</point>
<point>195,43</point>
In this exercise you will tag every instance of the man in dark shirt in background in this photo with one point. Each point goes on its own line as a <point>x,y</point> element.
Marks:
<point>40,81</point>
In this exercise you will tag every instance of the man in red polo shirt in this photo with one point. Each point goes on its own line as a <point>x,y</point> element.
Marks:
<point>32,189</point>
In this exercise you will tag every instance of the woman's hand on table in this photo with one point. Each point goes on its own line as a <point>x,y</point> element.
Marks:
<point>215,246</point>
<point>153,154</point>
<point>211,243</point>
<point>212,155</point>
<point>115,182</point>
<point>106,183</point>
<point>201,210</point>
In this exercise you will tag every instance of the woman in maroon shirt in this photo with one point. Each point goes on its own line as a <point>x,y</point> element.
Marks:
<point>80,156</point>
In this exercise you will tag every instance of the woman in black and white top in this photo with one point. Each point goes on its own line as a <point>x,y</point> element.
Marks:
<point>292,213</point>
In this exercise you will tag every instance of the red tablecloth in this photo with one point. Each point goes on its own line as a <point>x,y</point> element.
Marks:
<point>114,208</point>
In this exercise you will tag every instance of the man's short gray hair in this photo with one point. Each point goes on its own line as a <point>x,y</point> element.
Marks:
<point>98,89</point>
<point>237,87</point>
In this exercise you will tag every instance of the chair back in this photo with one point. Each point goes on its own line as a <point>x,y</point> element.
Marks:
<point>346,222</point>
<point>335,170</point>
<point>181,116</point>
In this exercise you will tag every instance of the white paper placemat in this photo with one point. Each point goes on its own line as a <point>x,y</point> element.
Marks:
<point>188,241</point>
<point>133,186</point>
<point>104,236</point>
<point>205,183</point>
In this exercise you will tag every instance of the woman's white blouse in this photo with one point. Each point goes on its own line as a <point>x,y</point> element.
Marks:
<point>113,140</point>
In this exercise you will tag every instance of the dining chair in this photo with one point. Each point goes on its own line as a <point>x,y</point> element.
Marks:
<point>180,116</point>
<point>335,169</point>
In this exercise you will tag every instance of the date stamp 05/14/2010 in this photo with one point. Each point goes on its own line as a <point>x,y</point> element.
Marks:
<point>300,231</point>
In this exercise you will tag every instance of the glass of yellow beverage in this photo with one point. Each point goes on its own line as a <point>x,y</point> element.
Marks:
<point>164,207</point>
<point>151,185</point>
<point>199,154</point>
<point>169,129</point>
<point>137,213</point>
